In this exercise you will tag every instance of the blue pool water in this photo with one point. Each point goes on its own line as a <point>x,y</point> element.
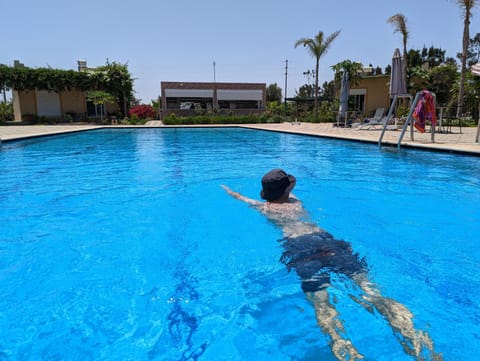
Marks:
<point>121,245</point>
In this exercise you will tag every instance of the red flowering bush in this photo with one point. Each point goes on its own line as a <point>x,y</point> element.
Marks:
<point>142,111</point>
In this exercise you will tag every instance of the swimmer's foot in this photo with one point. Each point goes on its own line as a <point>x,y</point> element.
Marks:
<point>344,350</point>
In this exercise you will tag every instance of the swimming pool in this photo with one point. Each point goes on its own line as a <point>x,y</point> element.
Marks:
<point>121,244</point>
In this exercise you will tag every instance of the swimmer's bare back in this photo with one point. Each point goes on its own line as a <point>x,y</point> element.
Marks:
<point>289,216</point>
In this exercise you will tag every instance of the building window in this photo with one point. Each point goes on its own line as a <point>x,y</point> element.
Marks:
<point>357,103</point>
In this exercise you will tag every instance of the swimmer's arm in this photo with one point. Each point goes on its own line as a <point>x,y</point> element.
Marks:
<point>237,195</point>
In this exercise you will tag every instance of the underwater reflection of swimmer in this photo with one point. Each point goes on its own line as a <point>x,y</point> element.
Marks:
<point>316,255</point>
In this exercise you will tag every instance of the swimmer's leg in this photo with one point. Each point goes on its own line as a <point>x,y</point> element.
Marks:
<point>399,318</point>
<point>330,324</point>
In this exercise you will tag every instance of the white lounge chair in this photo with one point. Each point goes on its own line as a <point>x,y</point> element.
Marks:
<point>377,119</point>
<point>381,123</point>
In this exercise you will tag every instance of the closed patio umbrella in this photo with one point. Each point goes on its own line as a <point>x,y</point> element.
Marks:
<point>476,71</point>
<point>397,78</point>
<point>344,91</point>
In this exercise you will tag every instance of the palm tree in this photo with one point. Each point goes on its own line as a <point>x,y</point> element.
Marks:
<point>317,47</point>
<point>351,67</point>
<point>466,6</point>
<point>399,21</point>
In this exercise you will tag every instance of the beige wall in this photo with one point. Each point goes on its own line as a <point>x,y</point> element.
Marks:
<point>376,95</point>
<point>73,102</point>
<point>24,104</point>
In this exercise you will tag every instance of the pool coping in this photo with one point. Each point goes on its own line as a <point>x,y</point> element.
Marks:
<point>324,130</point>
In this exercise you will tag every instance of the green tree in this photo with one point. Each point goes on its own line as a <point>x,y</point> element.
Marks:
<point>473,52</point>
<point>116,79</point>
<point>157,105</point>
<point>100,98</point>
<point>305,91</point>
<point>352,68</point>
<point>274,93</point>
<point>418,78</point>
<point>377,71</point>
<point>4,70</point>
<point>399,21</point>
<point>471,94</point>
<point>273,108</point>
<point>317,47</point>
<point>6,111</point>
<point>427,56</point>
<point>309,74</point>
<point>466,7</point>
<point>441,80</point>
<point>433,56</point>
<point>328,90</point>
<point>430,68</point>
<point>414,58</point>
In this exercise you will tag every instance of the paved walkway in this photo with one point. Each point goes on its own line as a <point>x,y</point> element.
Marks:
<point>454,141</point>
<point>12,132</point>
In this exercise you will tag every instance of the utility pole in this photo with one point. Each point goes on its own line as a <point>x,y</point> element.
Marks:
<point>214,75</point>
<point>286,78</point>
<point>215,99</point>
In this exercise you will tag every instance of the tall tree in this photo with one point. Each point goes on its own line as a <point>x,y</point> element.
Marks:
<point>473,52</point>
<point>399,22</point>
<point>441,80</point>
<point>328,90</point>
<point>317,47</point>
<point>274,93</point>
<point>117,80</point>
<point>433,56</point>
<point>305,91</point>
<point>466,6</point>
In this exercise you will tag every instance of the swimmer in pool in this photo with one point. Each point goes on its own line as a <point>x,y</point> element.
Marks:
<point>315,255</point>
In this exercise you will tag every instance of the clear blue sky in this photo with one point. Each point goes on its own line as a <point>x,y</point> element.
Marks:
<point>249,40</point>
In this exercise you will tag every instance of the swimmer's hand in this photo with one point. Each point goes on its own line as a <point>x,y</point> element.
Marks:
<point>232,193</point>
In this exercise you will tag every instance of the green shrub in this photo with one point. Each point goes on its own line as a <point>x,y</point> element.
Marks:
<point>217,119</point>
<point>6,112</point>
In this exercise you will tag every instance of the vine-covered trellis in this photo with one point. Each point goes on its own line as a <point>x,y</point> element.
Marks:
<point>112,78</point>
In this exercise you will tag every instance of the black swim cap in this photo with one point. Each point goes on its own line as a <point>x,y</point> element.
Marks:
<point>275,183</point>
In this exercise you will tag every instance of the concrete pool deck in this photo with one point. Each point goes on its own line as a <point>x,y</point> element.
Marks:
<point>454,141</point>
<point>17,132</point>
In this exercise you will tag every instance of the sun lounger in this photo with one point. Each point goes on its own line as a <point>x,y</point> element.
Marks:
<point>380,124</point>
<point>377,119</point>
